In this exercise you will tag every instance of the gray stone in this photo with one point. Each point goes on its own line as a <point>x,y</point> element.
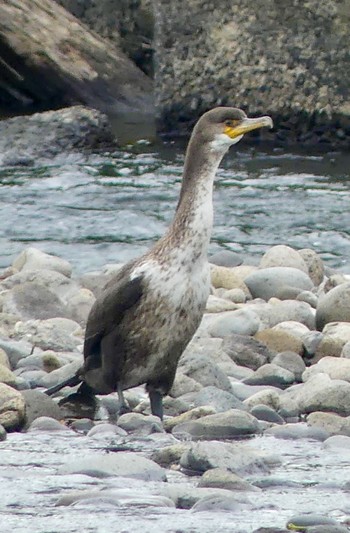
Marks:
<point>61,374</point>
<point>263,412</point>
<point>47,425</point>
<point>188,416</point>
<point>218,399</point>
<point>214,503</point>
<point>334,306</point>
<point>7,376</point>
<point>239,322</point>
<point>140,424</point>
<point>335,336</point>
<point>123,464</point>
<point>337,441</point>
<point>283,256</point>
<point>277,311</point>
<point>226,258</point>
<point>290,361</point>
<point>79,305</point>
<point>265,283</point>
<point>203,370</point>
<point>59,334</point>
<point>16,350</point>
<point>334,367</point>
<point>243,391</point>
<point>31,300</point>
<point>106,430</point>
<point>169,455</point>
<point>3,434</point>
<point>320,393</point>
<point>330,422</point>
<point>222,478</point>
<point>297,431</point>
<point>271,374</point>
<point>230,424</point>
<point>38,404</point>
<point>183,385</point>
<point>237,458</point>
<point>314,264</point>
<point>346,350</point>
<point>12,408</point>
<point>308,297</point>
<point>268,396</point>
<point>54,281</point>
<point>34,259</point>
<point>246,351</point>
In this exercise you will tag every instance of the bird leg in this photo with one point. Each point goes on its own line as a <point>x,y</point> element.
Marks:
<point>123,406</point>
<point>156,399</point>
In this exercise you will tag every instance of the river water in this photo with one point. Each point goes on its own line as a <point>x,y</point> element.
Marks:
<point>110,207</point>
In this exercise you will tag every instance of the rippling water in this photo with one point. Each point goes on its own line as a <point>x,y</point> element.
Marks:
<point>310,478</point>
<point>110,208</point>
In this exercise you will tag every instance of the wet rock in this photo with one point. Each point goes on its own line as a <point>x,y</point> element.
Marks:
<point>222,478</point>
<point>239,322</point>
<point>265,283</point>
<point>307,520</point>
<point>214,503</point>
<point>334,367</point>
<point>271,374</point>
<point>290,361</point>
<point>34,259</point>
<point>140,424</point>
<point>37,405</point>
<point>230,424</point>
<point>283,256</point>
<point>188,416</point>
<point>12,408</point>
<point>237,458</point>
<point>3,434</point>
<point>60,334</point>
<point>46,424</point>
<point>218,399</point>
<point>202,369</point>
<point>169,455</point>
<point>265,413</point>
<point>247,351</point>
<point>106,430</point>
<point>330,422</point>
<point>314,264</point>
<point>338,441</point>
<point>297,431</point>
<point>123,464</point>
<point>32,300</point>
<point>334,306</point>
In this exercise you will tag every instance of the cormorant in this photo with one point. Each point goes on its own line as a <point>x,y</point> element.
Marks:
<point>147,314</point>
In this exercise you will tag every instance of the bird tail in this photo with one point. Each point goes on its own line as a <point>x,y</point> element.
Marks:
<point>69,382</point>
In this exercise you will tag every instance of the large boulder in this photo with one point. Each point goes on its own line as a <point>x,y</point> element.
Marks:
<point>50,58</point>
<point>237,53</point>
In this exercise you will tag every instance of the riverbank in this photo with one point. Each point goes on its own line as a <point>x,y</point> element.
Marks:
<point>270,360</point>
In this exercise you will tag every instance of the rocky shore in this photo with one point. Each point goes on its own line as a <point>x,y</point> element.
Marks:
<point>271,360</point>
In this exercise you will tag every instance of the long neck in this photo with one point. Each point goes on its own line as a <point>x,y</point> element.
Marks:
<point>191,227</point>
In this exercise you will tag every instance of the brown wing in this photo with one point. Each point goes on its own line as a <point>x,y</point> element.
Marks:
<point>120,294</point>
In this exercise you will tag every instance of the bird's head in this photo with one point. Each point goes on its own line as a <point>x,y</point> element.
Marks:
<point>223,126</point>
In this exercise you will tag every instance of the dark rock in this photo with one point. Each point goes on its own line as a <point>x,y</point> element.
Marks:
<point>38,404</point>
<point>263,412</point>
<point>247,351</point>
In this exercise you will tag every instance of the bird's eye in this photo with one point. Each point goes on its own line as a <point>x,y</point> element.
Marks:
<point>231,123</point>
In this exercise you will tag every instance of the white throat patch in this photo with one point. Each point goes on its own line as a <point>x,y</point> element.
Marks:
<point>222,142</point>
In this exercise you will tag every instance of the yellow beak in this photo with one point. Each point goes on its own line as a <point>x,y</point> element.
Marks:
<point>248,124</point>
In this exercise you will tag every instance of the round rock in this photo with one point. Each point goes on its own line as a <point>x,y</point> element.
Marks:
<point>334,306</point>
<point>267,282</point>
